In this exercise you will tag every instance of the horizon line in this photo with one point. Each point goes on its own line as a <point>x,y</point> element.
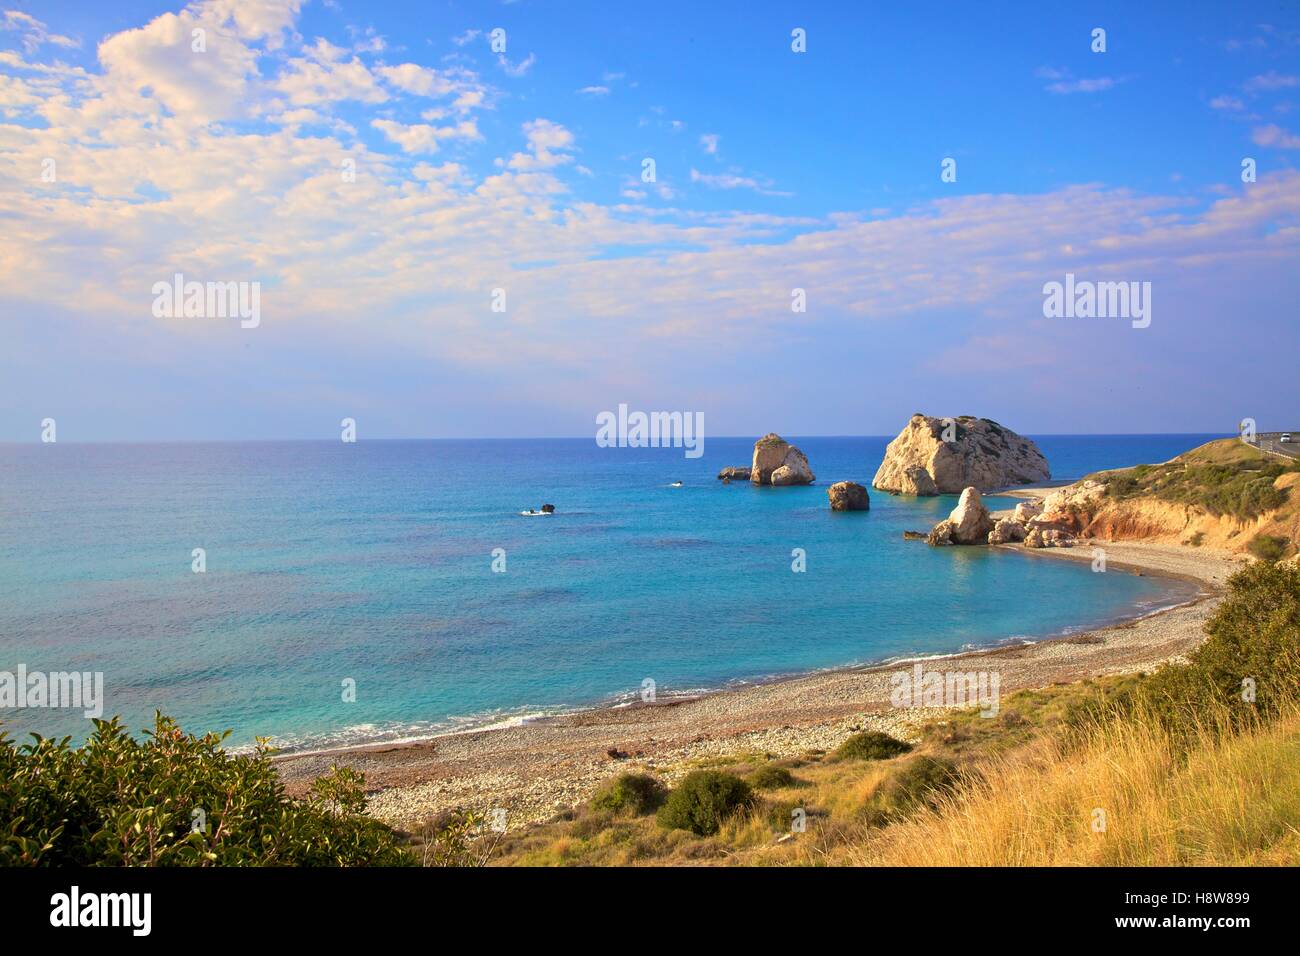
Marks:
<point>237,441</point>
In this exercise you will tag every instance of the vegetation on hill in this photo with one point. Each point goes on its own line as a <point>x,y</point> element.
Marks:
<point>1225,477</point>
<point>176,800</point>
<point>1197,763</point>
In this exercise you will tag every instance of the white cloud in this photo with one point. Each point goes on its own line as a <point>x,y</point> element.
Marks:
<point>1065,83</point>
<point>323,76</point>
<point>159,57</point>
<point>517,69</point>
<point>710,143</point>
<point>422,138</point>
<point>549,145</point>
<point>1272,80</point>
<point>35,33</point>
<point>425,80</point>
<point>1275,136</point>
<point>594,91</point>
<point>1226,102</point>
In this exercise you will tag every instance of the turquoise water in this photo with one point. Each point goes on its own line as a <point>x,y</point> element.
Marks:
<point>373,561</point>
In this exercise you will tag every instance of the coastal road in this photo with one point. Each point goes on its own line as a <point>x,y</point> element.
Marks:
<point>1270,442</point>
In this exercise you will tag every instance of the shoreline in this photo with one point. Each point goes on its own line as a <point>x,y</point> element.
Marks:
<point>537,768</point>
<point>528,716</point>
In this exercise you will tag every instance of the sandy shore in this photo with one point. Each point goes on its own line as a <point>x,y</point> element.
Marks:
<point>539,768</point>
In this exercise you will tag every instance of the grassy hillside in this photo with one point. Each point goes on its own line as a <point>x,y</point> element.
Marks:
<point>1224,494</point>
<point>1176,767</point>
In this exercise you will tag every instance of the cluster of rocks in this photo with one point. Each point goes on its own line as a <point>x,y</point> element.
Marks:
<point>776,462</point>
<point>938,456</point>
<point>1056,523</point>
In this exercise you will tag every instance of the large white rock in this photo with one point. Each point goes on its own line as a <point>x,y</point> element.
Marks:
<point>777,462</point>
<point>971,523</point>
<point>980,454</point>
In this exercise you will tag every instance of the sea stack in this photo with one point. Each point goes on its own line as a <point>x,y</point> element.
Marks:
<point>969,523</point>
<point>938,456</point>
<point>777,462</point>
<point>848,496</point>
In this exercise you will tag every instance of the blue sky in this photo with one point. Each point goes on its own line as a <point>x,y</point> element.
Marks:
<point>522,171</point>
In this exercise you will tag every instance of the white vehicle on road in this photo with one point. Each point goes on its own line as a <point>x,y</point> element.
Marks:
<point>1286,436</point>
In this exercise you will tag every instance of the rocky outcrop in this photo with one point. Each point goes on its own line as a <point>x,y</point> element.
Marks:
<point>1027,510</point>
<point>848,496</point>
<point>958,453</point>
<point>1007,530</point>
<point>970,519</point>
<point>1048,538</point>
<point>734,473</point>
<point>777,462</point>
<point>914,536</point>
<point>1070,508</point>
<point>940,534</point>
<point>969,523</point>
<point>915,480</point>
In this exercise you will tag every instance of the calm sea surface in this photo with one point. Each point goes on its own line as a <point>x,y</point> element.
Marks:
<point>373,561</point>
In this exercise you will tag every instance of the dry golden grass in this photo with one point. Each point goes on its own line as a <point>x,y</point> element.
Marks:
<point>1231,800</point>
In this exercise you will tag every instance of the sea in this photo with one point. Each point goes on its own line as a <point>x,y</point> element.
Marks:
<point>389,590</point>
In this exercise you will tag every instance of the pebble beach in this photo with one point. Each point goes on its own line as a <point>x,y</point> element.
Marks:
<point>540,768</point>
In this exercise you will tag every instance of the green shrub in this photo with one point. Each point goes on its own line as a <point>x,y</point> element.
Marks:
<point>1267,547</point>
<point>918,782</point>
<point>176,800</point>
<point>771,777</point>
<point>871,745</point>
<point>1242,489</point>
<point>780,814</point>
<point>1251,650</point>
<point>703,800</point>
<point>631,794</point>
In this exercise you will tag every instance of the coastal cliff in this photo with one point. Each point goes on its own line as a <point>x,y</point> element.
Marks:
<point>1224,494</point>
<point>933,456</point>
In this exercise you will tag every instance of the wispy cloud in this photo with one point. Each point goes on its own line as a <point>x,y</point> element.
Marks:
<point>517,69</point>
<point>1272,80</point>
<point>1276,137</point>
<point>1062,82</point>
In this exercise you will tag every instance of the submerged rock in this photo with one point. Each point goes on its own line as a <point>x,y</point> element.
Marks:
<point>980,453</point>
<point>777,462</point>
<point>848,496</point>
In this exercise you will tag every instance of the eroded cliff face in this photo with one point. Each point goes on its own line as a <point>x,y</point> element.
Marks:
<point>958,453</point>
<point>1084,510</point>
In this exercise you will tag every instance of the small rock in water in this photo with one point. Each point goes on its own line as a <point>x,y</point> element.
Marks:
<point>848,496</point>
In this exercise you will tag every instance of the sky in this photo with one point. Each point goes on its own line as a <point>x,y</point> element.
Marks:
<point>445,209</point>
